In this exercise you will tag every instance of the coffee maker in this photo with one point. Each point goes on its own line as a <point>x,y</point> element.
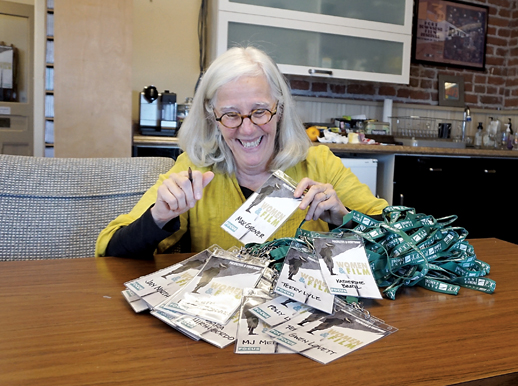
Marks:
<point>168,115</point>
<point>157,112</point>
<point>149,108</point>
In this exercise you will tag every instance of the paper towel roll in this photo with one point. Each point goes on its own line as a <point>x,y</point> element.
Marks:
<point>387,110</point>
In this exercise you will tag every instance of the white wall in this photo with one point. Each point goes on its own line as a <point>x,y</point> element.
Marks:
<point>165,47</point>
<point>165,52</point>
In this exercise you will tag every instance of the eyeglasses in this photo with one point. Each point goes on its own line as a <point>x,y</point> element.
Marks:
<point>233,120</point>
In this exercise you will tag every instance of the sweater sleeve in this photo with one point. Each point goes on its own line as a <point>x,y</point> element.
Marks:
<point>144,203</point>
<point>354,194</point>
<point>140,239</point>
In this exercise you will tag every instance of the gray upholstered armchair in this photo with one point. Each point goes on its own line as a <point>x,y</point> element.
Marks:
<point>56,207</point>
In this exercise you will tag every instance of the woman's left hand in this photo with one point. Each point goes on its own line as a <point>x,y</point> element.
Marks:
<point>322,200</point>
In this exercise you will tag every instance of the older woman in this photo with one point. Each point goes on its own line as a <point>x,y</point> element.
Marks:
<point>241,127</point>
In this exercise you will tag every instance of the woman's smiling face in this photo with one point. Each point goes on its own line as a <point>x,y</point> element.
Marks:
<point>252,145</point>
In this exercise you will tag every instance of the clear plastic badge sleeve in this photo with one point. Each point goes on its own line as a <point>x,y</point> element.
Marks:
<point>325,338</point>
<point>301,279</point>
<point>345,267</point>
<point>160,285</point>
<point>219,335</point>
<point>215,293</point>
<point>251,338</point>
<point>134,301</point>
<point>264,211</point>
<point>278,310</point>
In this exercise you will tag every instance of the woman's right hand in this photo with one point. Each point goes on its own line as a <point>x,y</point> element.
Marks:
<point>177,195</point>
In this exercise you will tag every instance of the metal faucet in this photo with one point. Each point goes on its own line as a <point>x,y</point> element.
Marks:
<point>466,118</point>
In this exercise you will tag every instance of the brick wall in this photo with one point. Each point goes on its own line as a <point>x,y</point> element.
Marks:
<point>495,87</point>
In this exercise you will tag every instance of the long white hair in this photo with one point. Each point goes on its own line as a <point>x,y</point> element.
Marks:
<point>199,135</point>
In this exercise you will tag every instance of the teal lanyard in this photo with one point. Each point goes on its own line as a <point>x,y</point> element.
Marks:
<point>409,249</point>
<point>405,249</point>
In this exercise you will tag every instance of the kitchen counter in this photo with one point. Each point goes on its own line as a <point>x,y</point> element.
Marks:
<point>156,141</point>
<point>150,140</point>
<point>394,149</point>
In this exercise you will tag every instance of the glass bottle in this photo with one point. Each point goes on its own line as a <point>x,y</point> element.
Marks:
<point>466,123</point>
<point>499,134</point>
<point>478,135</point>
<point>488,139</point>
<point>515,138</point>
<point>510,137</point>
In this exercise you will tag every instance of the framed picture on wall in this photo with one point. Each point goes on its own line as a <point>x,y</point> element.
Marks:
<point>450,33</point>
<point>451,91</point>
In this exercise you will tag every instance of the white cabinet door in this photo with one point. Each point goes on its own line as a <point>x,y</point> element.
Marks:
<point>381,15</point>
<point>305,43</point>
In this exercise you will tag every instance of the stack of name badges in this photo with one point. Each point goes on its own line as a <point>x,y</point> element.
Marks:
<point>234,296</point>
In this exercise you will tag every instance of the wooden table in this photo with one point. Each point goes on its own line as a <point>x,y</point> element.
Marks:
<point>65,322</point>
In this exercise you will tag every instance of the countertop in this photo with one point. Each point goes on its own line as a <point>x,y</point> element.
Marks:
<point>147,140</point>
<point>394,149</point>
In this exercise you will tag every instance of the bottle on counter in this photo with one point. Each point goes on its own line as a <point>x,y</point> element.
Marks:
<point>478,135</point>
<point>502,136</point>
<point>183,110</point>
<point>488,139</point>
<point>466,123</point>
<point>510,136</point>
<point>515,138</point>
<point>499,134</point>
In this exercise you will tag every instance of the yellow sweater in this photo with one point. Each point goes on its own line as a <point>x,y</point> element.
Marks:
<point>223,196</point>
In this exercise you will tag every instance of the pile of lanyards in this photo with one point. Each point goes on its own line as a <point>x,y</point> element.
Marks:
<point>405,249</point>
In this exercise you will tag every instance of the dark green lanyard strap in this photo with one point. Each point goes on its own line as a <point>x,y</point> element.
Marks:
<point>405,249</point>
<point>409,249</point>
<point>275,250</point>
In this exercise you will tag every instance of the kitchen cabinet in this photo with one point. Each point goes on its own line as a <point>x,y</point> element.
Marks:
<point>366,40</point>
<point>467,187</point>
